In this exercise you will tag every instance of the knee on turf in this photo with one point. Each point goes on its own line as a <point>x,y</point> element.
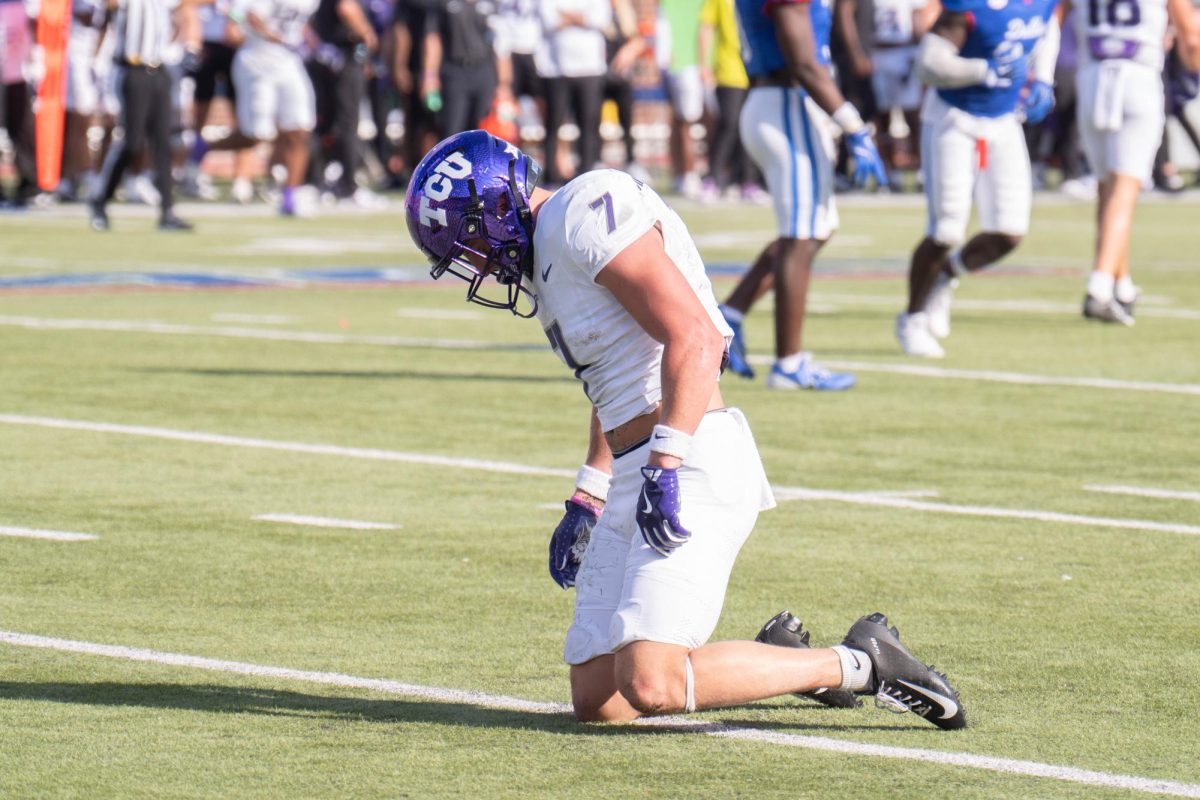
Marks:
<point>653,691</point>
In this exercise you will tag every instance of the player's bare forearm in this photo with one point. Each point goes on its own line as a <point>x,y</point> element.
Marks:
<point>599,455</point>
<point>1187,32</point>
<point>793,29</point>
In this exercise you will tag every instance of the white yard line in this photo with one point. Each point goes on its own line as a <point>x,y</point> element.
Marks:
<point>437,313</point>
<point>884,499</point>
<point>1145,491</point>
<point>327,522</point>
<point>699,726</point>
<point>136,326</point>
<point>1008,377</point>
<point>255,319</point>
<point>54,536</point>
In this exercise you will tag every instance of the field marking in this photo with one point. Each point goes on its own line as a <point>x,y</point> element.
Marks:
<point>1007,377</point>
<point>877,498</point>
<point>437,694</point>
<point>257,319</point>
<point>54,536</point>
<point>437,313</point>
<point>873,499</point>
<point>312,337</point>
<point>327,522</point>
<point>1149,306</point>
<point>367,453</point>
<point>1144,491</point>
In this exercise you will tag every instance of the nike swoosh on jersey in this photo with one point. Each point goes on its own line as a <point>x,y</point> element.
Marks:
<point>949,707</point>
<point>546,272</point>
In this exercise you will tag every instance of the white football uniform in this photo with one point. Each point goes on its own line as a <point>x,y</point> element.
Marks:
<point>893,79</point>
<point>1119,83</point>
<point>965,157</point>
<point>273,89</point>
<point>792,141</point>
<point>625,591</point>
<point>83,95</point>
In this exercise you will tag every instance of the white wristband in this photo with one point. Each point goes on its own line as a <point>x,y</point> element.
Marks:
<point>848,118</point>
<point>593,481</point>
<point>670,442</point>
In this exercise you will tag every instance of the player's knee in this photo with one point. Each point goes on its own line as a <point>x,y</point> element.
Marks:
<point>652,692</point>
<point>947,236</point>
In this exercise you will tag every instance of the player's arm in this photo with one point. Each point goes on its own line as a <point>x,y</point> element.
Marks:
<point>574,530</point>
<point>939,63</point>
<point>651,288</point>
<point>351,13</point>
<point>847,28</point>
<point>793,30</point>
<point>1187,32</point>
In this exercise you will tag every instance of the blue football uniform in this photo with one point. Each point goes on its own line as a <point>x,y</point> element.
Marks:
<point>1003,32</point>
<point>760,48</point>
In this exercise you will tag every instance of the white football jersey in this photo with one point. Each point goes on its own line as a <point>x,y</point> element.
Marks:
<point>1126,29</point>
<point>580,229</point>
<point>894,21</point>
<point>286,18</point>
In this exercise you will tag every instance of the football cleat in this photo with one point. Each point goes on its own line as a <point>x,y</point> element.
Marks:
<point>937,305</point>
<point>915,337</point>
<point>1110,311</point>
<point>97,215</point>
<point>786,630</point>
<point>809,375</point>
<point>738,362</point>
<point>900,681</point>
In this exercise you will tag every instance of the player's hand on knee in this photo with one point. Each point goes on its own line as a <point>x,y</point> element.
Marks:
<point>569,540</point>
<point>867,163</point>
<point>658,510</point>
<point>1037,101</point>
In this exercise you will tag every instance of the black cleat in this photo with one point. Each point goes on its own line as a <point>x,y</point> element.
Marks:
<point>97,215</point>
<point>899,681</point>
<point>786,630</point>
<point>170,222</point>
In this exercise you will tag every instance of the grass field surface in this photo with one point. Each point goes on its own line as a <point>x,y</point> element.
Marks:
<point>314,492</point>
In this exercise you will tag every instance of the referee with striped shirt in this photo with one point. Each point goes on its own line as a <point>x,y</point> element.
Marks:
<point>142,31</point>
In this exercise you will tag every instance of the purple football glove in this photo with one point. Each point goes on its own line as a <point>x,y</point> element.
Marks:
<point>1038,101</point>
<point>658,510</point>
<point>867,163</point>
<point>569,540</point>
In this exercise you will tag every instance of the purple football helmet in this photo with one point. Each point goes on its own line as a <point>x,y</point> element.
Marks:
<point>468,211</point>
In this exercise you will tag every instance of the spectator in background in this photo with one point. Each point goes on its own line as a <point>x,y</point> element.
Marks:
<point>339,74</point>
<point>143,32</point>
<point>853,24</point>
<point>724,74</point>
<point>20,70</point>
<point>685,90</point>
<point>625,46</point>
<point>1063,127</point>
<point>577,54</point>
<point>459,74</point>
<point>407,31</point>
<point>517,27</point>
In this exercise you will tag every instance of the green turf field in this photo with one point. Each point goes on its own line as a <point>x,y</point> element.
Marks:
<point>164,418</point>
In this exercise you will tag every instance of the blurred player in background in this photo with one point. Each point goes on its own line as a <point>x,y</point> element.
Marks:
<point>83,99</point>
<point>614,279</point>
<point>1121,118</point>
<point>785,126</point>
<point>275,99</point>
<point>992,66</point>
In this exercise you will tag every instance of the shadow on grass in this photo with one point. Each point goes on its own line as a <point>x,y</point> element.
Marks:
<point>373,375</point>
<point>275,702</point>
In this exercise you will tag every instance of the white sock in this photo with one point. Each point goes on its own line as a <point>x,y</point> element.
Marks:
<point>856,668</point>
<point>956,263</point>
<point>791,363</point>
<point>732,314</point>
<point>1100,286</point>
<point>1124,290</point>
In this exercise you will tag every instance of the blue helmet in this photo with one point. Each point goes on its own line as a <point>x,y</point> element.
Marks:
<point>468,211</point>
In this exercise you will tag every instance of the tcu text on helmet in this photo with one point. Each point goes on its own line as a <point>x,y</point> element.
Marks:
<point>453,167</point>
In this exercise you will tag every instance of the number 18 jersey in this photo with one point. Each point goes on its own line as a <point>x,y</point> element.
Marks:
<point>1132,30</point>
<point>580,229</point>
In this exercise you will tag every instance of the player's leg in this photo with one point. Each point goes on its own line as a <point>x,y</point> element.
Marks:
<point>594,693</point>
<point>950,163</point>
